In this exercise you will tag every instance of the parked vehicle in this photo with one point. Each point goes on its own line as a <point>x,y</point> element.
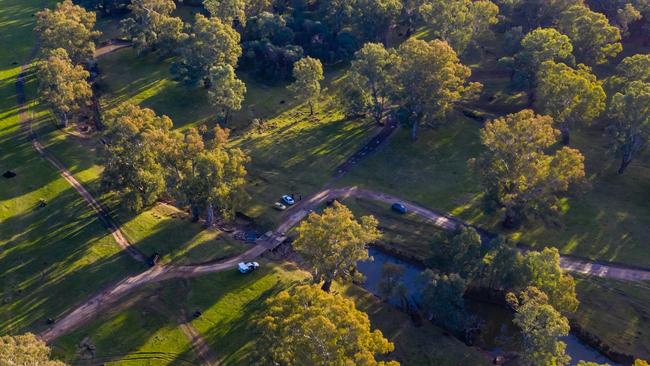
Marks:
<point>279,206</point>
<point>286,199</point>
<point>246,267</point>
<point>153,260</point>
<point>398,207</point>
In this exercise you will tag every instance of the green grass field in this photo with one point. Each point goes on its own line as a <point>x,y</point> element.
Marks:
<point>608,222</point>
<point>55,256</point>
<point>229,303</point>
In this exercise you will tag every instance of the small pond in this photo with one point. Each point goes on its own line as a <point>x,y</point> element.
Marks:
<point>497,320</point>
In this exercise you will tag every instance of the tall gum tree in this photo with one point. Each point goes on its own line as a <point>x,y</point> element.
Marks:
<point>595,41</point>
<point>307,326</point>
<point>70,27</point>
<point>64,86</point>
<point>629,110</point>
<point>211,43</point>
<point>569,95</point>
<point>333,242</point>
<point>307,74</point>
<point>429,81</point>
<point>150,26</point>
<point>520,172</point>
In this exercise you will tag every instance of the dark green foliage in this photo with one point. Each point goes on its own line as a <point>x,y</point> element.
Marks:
<point>442,300</point>
<point>458,251</point>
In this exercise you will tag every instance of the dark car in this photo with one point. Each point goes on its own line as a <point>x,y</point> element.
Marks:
<point>151,261</point>
<point>398,207</point>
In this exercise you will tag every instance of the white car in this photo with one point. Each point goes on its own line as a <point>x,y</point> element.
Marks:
<point>245,267</point>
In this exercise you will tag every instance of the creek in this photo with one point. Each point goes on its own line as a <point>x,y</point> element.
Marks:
<point>497,327</point>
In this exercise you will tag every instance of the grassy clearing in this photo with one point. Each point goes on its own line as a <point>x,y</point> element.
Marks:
<point>229,302</point>
<point>432,170</point>
<point>143,331</point>
<point>617,312</point>
<point>166,230</point>
<point>609,222</point>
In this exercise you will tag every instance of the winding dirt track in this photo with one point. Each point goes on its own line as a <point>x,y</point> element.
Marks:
<point>109,296</point>
<point>67,175</point>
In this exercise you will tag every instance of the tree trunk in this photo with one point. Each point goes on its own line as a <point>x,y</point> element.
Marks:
<point>566,135</point>
<point>64,119</point>
<point>414,130</point>
<point>311,108</point>
<point>327,285</point>
<point>378,115</point>
<point>226,117</point>
<point>625,161</point>
<point>209,219</point>
<point>195,213</point>
<point>512,220</point>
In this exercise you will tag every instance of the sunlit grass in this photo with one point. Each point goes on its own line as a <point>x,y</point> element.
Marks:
<point>229,303</point>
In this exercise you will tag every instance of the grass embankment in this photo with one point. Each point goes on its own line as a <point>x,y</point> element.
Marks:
<point>229,302</point>
<point>616,312</point>
<point>408,236</point>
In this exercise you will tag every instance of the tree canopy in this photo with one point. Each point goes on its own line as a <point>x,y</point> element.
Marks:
<point>226,90</point>
<point>630,112</point>
<point>307,74</point>
<point>150,26</point>
<point>64,86</point>
<point>442,299</point>
<point>332,243</point>
<point>541,327</point>
<point>519,172</point>
<point>132,164</point>
<point>458,251</point>
<point>70,27</point>
<point>228,11</point>
<point>539,46</point>
<point>569,95</point>
<point>633,68</point>
<point>371,74</point>
<point>459,21</point>
<point>212,175</point>
<point>429,80</point>
<point>545,273</point>
<point>25,349</point>
<point>306,326</point>
<point>211,43</point>
<point>594,40</point>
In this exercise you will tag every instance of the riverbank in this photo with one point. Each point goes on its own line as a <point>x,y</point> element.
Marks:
<point>497,319</point>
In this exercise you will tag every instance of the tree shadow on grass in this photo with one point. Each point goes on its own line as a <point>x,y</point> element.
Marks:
<point>139,329</point>
<point>55,256</point>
